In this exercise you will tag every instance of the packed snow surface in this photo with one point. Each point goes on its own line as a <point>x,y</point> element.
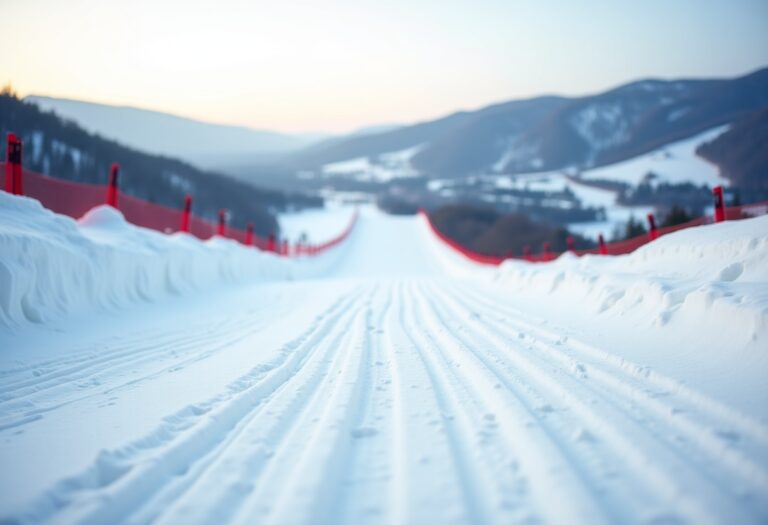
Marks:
<point>157,379</point>
<point>317,225</point>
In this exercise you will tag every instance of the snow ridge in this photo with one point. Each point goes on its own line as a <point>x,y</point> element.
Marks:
<point>53,266</point>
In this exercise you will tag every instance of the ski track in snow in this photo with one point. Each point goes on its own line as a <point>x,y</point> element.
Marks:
<point>419,399</point>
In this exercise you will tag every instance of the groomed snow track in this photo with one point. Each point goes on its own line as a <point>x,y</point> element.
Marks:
<point>386,392</point>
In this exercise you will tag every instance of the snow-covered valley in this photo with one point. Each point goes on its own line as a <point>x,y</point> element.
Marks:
<point>675,163</point>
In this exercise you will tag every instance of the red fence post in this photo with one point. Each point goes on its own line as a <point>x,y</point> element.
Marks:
<point>601,243</point>
<point>9,163</point>
<point>222,222</point>
<point>527,252</point>
<point>545,251</point>
<point>249,234</point>
<point>114,171</point>
<point>13,181</point>
<point>652,232</point>
<point>185,213</point>
<point>271,243</point>
<point>284,248</point>
<point>717,193</point>
<point>571,242</point>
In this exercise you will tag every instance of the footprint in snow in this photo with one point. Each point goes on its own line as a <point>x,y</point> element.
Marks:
<point>665,519</point>
<point>664,317</point>
<point>728,435</point>
<point>372,511</point>
<point>363,432</point>
<point>731,272</point>
<point>580,370</point>
<point>584,436</point>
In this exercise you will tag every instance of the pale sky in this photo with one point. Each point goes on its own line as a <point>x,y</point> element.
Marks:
<point>301,65</point>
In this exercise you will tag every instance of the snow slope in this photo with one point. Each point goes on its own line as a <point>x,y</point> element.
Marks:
<point>702,292</point>
<point>318,225</point>
<point>401,384</point>
<point>675,163</point>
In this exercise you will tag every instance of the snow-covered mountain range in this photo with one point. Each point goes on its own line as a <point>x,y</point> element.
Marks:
<point>554,133</point>
<point>519,136</point>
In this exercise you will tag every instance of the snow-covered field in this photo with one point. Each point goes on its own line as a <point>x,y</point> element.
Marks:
<point>389,381</point>
<point>675,163</point>
<point>616,215</point>
<point>383,168</point>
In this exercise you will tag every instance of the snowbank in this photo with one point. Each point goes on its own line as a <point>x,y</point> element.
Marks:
<point>451,262</point>
<point>52,266</point>
<point>694,303</point>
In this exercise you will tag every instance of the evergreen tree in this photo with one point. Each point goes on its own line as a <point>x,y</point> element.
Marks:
<point>676,215</point>
<point>634,228</point>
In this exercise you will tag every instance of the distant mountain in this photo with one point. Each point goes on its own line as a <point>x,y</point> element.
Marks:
<point>550,133</point>
<point>638,118</point>
<point>372,130</point>
<point>198,142</point>
<point>62,149</point>
<point>334,150</point>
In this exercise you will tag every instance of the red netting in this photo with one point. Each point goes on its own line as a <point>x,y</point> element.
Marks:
<point>477,257</point>
<point>614,248</point>
<point>74,199</point>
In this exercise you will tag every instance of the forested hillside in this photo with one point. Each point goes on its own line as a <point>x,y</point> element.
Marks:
<point>60,148</point>
<point>742,152</point>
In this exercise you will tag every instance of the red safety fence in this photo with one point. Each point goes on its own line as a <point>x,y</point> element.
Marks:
<point>615,248</point>
<point>469,254</point>
<point>74,199</point>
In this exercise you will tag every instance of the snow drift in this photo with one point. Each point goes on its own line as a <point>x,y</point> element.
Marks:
<point>52,266</point>
<point>694,303</point>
